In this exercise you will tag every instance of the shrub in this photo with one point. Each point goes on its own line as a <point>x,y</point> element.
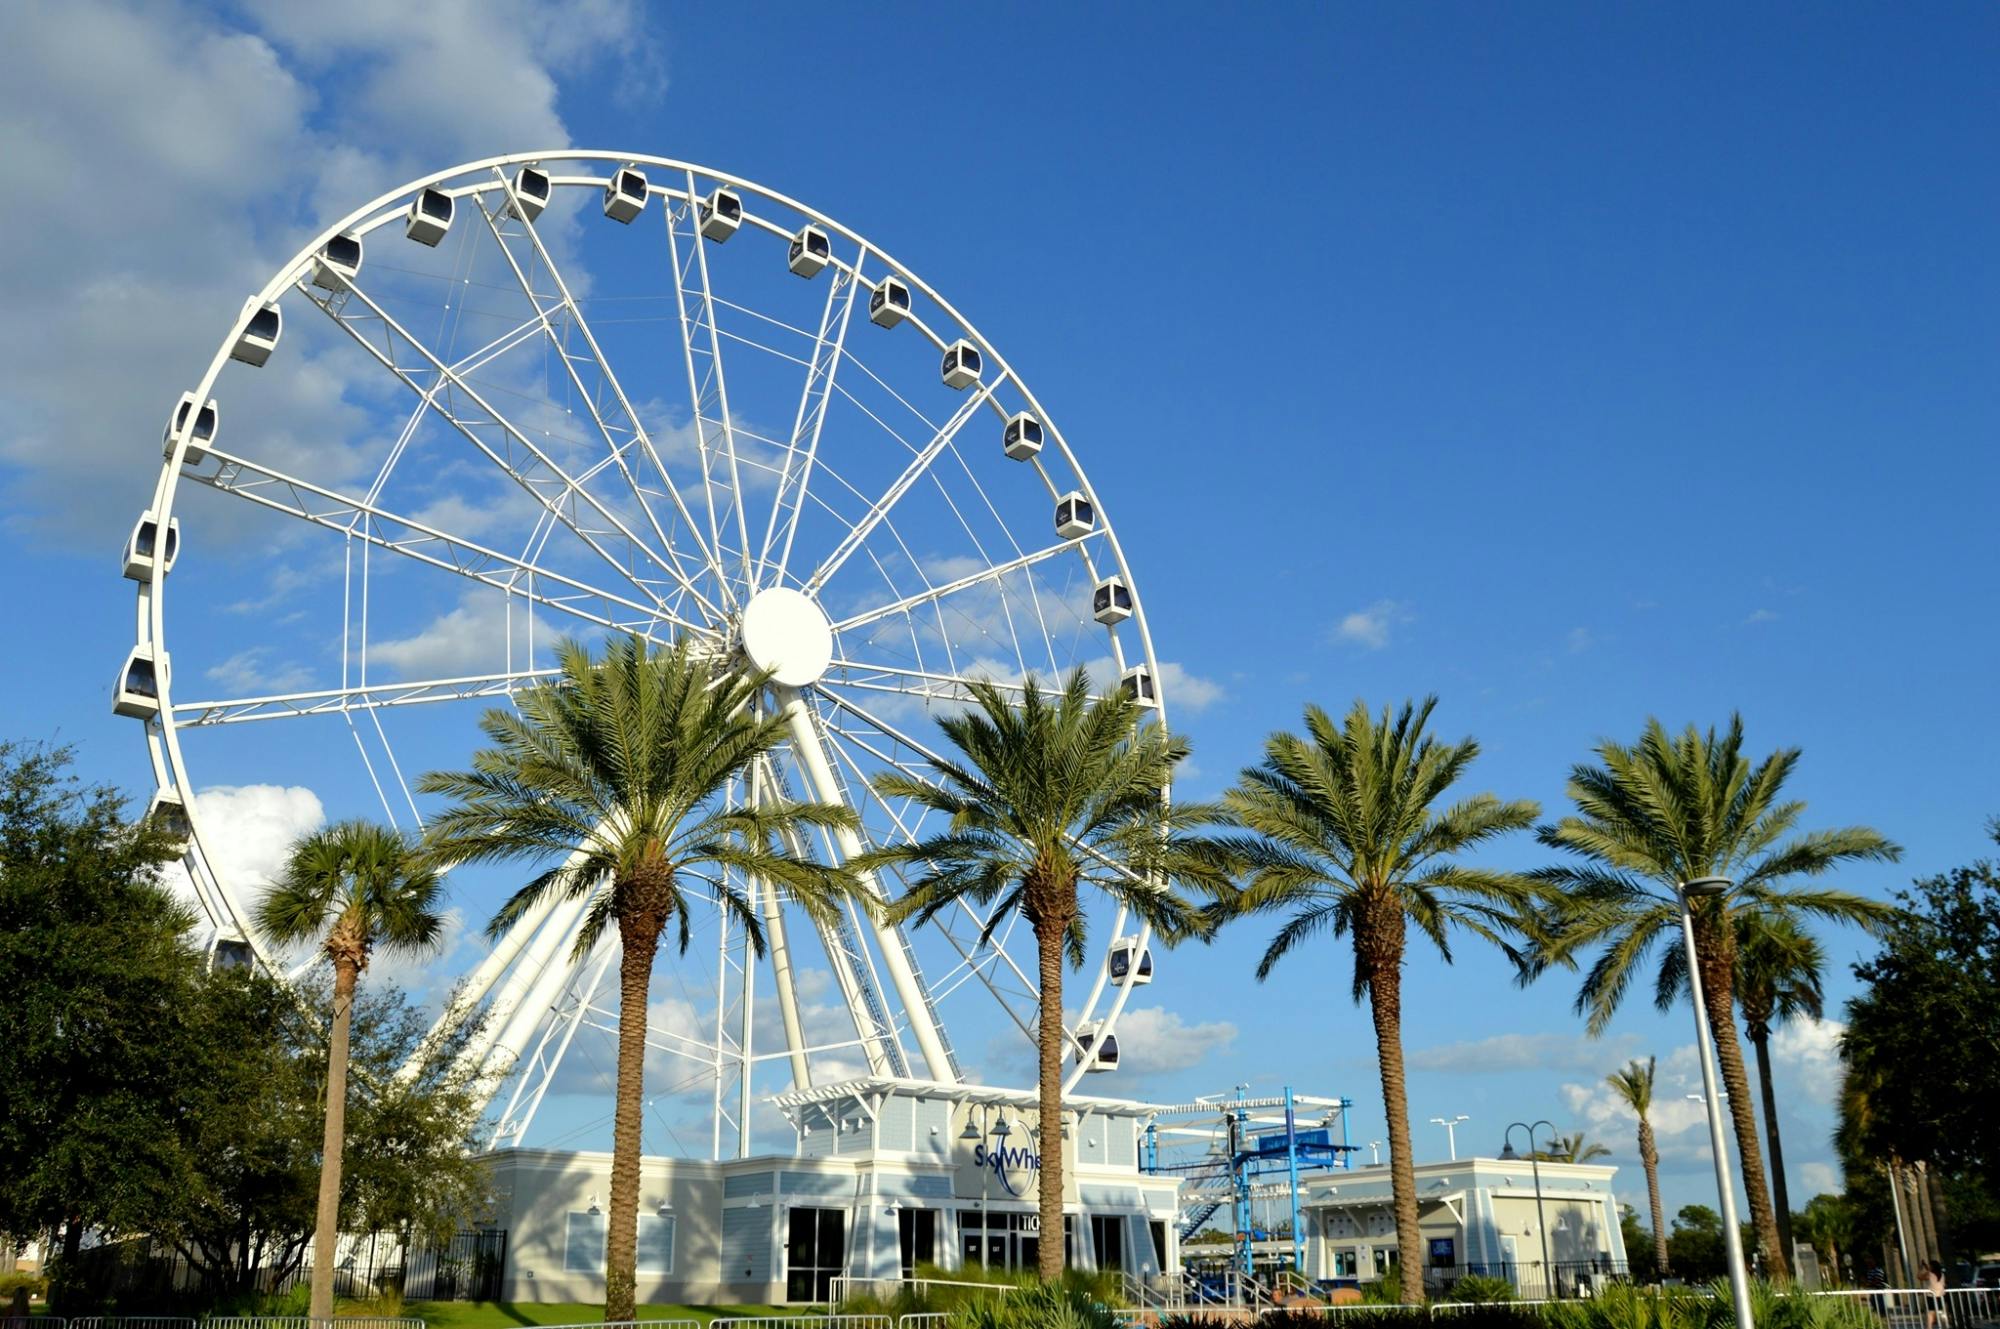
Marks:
<point>1037,1306</point>
<point>1482,1288</point>
<point>12,1281</point>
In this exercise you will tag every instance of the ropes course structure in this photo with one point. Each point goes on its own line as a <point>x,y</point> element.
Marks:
<point>577,393</point>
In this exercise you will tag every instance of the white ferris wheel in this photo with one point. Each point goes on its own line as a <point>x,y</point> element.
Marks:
<point>571,394</point>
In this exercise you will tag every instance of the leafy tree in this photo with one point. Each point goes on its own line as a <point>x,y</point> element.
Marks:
<point>1645,1248</point>
<point>353,889</point>
<point>1778,967</point>
<point>96,973</point>
<point>1671,809</point>
<point>1695,1247</point>
<point>1044,801</point>
<point>1828,1225</point>
<point>616,775</point>
<point>1634,1085</point>
<point>1347,839</point>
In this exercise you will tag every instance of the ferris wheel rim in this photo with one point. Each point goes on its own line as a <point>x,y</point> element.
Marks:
<point>170,766</point>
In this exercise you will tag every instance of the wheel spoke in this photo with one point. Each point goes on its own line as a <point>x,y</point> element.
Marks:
<point>811,419</point>
<point>637,437</point>
<point>513,452</point>
<point>363,697</point>
<point>426,544</point>
<point>995,573</point>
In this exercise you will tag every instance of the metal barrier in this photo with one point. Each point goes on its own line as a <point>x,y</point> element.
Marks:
<point>923,1320</point>
<point>792,1321</point>
<point>843,1286</point>
<point>128,1322</point>
<point>280,1322</point>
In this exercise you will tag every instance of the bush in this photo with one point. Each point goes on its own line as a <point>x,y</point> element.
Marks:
<point>12,1282</point>
<point>1061,1305</point>
<point>1480,1288</point>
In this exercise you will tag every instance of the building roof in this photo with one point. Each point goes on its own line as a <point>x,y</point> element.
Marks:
<point>957,1093</point>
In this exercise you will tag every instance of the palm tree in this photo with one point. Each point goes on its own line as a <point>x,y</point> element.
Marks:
<point>1828,1222</point>
<point>1044,798</point>
<point>617,776</point>
<point>354,888</point>
<point>1573,1149</point>
<point>1667,810</point>
<point>1634,1084</point>
<point>1778,967</point>
<point>1345,838</point>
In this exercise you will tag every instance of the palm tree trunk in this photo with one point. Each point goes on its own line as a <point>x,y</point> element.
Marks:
<point>1378,951</point>
<point>1049,1254</point>
<point>1649,1155</point>
<point>638,942</point>
<point>326,1223</point>
<point>1718,967</point>
<point>1760,1043</point>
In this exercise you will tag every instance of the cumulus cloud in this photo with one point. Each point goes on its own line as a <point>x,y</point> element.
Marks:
<point>247,833</point>
<point>1809,1050</point>
<point>1527,1052</point>
<point>165,159</point>
<point>468,640</point>
<point>1155,1040</point>
<point>1370,627</point>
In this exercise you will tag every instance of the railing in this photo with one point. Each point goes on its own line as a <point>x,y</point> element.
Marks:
<point>844,1286</point>
<point>1919,1308</point>
<point>792,1321</point>
<point>272,1322</point>
<point>128,1322</point>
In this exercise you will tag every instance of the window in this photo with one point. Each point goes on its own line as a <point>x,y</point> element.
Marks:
<point>656,1243</point>
<point>814,1253</point>
<point>1344,1263</point>
<point>916,1234</point>
<point>1159,1231</point>
<point>1444,1252</point>
<point>1385,1260</point>
<point>583,1243</point>
<point>1107,1238</point>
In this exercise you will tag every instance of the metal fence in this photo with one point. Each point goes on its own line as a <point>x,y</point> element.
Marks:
<point>144,1272</point>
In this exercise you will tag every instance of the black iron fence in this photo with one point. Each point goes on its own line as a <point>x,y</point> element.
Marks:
<point>146,1271</point>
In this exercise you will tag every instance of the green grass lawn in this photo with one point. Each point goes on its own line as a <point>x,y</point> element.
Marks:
<point>506,1314</point>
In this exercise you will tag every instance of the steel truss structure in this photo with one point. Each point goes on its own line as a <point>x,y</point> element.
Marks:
<point>585,429</point>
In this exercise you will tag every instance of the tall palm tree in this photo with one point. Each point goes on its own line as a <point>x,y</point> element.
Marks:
<point>1573,1149</point>
<point>1670,809</point>
<point>354,888</point>
<point>616,775</point>
<point>1778,966</point>
<point>1634,1084</point>
<point>1345,838</point>
<point>1047,799</point>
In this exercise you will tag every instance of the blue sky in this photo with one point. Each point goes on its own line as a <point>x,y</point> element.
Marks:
<point>1576,364</point>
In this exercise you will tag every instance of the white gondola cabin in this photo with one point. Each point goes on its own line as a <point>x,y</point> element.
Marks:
<point>531,193</point>
<point>721,214</point>
<point>1075,515</point>
<point>810,252</point>
<point>625,195</point>
<point>259,336</point>
<point>335,266</point>
<point>961,365</point>
<point>169,816</point>
<point>137,692</point>
<point>144,546</point>
<point>1130,965</point>
<point>201,433</point>
<point>1097,1050</point>
<point>888,303</point>
<point>429,217</point>
<point>1111,602</point>
<point>1138,685</point>
<point>233,953</point>
<point>1022,438</point>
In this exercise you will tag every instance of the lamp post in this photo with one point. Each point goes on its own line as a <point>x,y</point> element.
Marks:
<point>1535,1162</point>
<point>1375,1153</point>
<point>1450,1125</point>
<point>1702,888</point>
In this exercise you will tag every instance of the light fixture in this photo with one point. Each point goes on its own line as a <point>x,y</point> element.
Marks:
<point>664,1209</point>
<point>1001,1129</point>
<point>971,1132</point>
<point>1507,1154</point>
<point>1704,887</point>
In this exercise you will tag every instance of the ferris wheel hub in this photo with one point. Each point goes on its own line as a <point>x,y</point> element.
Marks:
<point>787,633</point>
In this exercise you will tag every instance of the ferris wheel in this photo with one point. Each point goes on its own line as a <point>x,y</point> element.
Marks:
<point>574,394</point>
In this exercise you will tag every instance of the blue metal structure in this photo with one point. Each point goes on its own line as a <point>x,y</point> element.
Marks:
<point>1236,1163</point>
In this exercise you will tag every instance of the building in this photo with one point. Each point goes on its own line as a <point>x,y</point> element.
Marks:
<point>886,1175</point>
<point>1477,1216</point>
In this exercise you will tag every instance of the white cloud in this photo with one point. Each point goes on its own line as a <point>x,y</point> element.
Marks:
<point>248,831</point>
<point>1808,1052</point>
<point>249,672</point>
<point>1370,627</point>
<point>1762,616</point>
<point>165,159</point>
<point>467,641</point>
<point>1527,1052</point>
<point>1155,1040</point>
<point>1679,1125</point>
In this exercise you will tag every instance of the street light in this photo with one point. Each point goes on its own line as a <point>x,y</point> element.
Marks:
<point>1507,1154</point>
<point>1450,1125</point>
<point>1375,1150</point>
<point>1705,888</point>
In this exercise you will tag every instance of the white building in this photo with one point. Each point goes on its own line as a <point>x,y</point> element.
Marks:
<point>1477,1216</point>
<point>887,1174</point>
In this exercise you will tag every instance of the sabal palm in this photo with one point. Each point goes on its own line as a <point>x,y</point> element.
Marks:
<point>1347,839</point>
<point>353,888</point>
<point>1670,809</point>
<point>1045,800</point>
<point>1778,966</point>
<point>1574,1149</point>
<point>1634,1085</point>
<point>616,774</point>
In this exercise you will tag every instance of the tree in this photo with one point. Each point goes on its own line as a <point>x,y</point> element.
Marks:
<point>1346,840</point>
<point>1045,800</point>
<point>96,973</point>
<point>354,888</point>
<point>1670,809</point>
<point>1827,1223</point>
<point>1572,1149</point>
<point>1644,1249</point>
<point>1696,1243</point>
<point>1634,1085</point>
<point>617,775</point>
<point>1778,967</point>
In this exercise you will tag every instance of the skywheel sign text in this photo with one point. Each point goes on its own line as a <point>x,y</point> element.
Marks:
<point>1015,1165</point>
